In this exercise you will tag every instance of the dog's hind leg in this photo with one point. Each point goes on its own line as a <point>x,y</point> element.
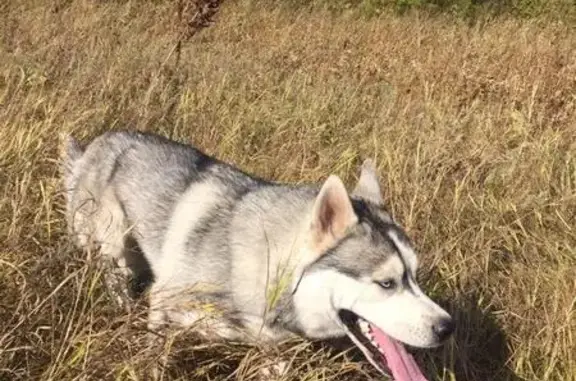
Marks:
<point>111,231</point>
<point>98,223</point>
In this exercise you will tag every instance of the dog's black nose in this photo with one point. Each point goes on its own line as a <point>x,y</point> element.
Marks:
<point>444,329</point>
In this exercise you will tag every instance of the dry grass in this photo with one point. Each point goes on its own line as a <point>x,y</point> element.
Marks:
<point>474,130</point>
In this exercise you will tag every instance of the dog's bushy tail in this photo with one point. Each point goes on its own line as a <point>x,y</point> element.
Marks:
<point>71,152</point>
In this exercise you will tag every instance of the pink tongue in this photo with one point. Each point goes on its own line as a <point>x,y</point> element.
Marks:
<point>400,362</point>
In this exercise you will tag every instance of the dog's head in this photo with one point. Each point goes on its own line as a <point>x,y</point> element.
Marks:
<point>360,279</point>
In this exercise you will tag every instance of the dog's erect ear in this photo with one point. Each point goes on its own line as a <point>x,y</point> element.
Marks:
<point>368,187</point>
<point>332,215</point>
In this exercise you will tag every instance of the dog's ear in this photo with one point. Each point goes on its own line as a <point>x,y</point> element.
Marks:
<point>368,187</point>
<point>332,215</point>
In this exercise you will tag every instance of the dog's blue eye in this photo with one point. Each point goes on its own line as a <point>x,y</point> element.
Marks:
<point>387,284</point>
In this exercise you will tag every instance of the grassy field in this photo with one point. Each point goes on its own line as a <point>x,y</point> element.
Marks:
<point>473,127</point>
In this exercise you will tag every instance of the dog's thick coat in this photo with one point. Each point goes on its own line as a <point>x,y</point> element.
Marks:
<point>249,259</point>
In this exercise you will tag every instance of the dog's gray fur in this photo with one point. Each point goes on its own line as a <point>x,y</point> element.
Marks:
<point>272,260</point>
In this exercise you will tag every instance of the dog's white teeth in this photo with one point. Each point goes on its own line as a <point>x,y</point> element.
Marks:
<point>364,326</point>
<point>367,331</point>
<point>370,336</point>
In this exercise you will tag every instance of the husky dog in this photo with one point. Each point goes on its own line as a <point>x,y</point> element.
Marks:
<point>243,258</point>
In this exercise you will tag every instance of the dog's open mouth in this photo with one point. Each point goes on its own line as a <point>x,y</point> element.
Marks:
<point>386,354</point>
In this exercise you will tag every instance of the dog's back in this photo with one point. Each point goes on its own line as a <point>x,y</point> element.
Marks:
<point>133,181</point>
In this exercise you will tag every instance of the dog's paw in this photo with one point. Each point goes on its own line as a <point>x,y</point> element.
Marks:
<point>273,372</point>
